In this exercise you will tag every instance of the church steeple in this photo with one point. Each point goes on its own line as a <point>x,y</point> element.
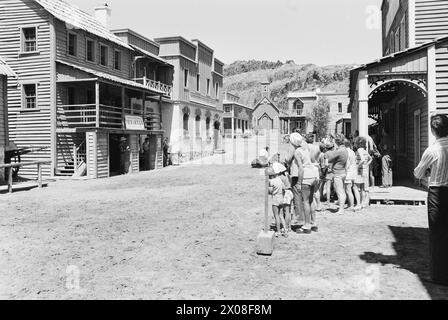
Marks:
<point>266,90</point>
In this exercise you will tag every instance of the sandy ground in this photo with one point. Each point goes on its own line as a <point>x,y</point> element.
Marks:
<point>190,233</point>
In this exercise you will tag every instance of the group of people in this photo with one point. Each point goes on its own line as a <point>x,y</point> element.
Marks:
<point>309,172</point>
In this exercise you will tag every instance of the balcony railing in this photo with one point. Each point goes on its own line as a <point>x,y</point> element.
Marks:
<point>85,116</point>
<point>156,85</point>
<point>297,113</point>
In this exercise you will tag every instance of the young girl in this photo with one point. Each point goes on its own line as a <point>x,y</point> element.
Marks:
<point>352,172</point>
<point>288,196</point>
<point>362,179</point>
<point>276,189</point>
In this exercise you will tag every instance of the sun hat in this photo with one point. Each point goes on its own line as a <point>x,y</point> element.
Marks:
<point>278,168</point>
<point>270,171</point>
<point>296,139</point>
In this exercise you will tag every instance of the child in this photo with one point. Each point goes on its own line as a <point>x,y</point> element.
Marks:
<point>352,171</point>
<point>362,179</point>
<point>288,196</point>
<point>276,191</point>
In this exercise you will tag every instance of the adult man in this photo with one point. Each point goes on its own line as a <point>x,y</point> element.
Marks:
<point>125,156</point>
<point>146,155</point>
<point>315,153</point>
<point>338,159</point>
<point>296,171</point>
<point>434,164</point>
<point>166,152</point>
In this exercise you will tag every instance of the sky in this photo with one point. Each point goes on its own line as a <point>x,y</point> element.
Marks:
<point>323,32</point>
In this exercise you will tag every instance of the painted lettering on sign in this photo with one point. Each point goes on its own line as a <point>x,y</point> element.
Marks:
<point>134,123</point>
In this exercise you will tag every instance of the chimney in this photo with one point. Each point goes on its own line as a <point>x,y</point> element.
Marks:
<point>103,14</point>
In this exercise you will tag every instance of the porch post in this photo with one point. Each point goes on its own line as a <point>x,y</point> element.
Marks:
<point>123,105</point>
<point>97,103</point>
<point>363,104</point>
<point>432,91</point>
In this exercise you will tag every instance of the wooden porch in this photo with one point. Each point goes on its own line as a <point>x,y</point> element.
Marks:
<point>405,195</point>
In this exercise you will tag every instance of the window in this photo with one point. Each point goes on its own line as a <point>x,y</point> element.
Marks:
<point>228,109</point>
<point>90,50</point>
<point>198,83</point>
<point>403,34</point>
<point>186,78</point>
<point>29,39</point>
<point>91,97</point>
<point>298,108</point>
<point>217,90</point>
<point>117,60</point>
<point>397,41</point>
<point>29,96</point>
<point>104,55</point>
<point>72,44</point>
<point>391,43</point>
<point>208,87</point>
<point>340,107</point>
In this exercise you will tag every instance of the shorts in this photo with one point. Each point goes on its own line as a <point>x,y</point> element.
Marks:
<point>288,197</point>
<point>277,200</point>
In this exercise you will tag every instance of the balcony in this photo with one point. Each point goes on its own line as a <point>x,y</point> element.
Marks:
<point>156,85</point>
<point>110,117</point>
<point>296,113</point>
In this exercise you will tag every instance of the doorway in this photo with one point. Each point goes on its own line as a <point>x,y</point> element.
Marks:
<point>115,154</point>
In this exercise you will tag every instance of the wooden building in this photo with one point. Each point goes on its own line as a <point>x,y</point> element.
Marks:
<point>194,120</point>
<point>80,88</point>
<point>5,72</point>
<point>404,88</point>
<point>237,117</point>
<point>266,114</point>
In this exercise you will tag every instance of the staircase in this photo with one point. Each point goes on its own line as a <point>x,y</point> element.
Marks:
<point>76,166</point>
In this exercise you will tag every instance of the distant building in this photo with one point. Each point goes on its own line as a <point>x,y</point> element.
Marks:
<point>237,116</point>
<point>266,114</point>
<point>193,122</point>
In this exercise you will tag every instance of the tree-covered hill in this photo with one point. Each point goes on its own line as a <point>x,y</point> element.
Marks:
<point>244,78</point>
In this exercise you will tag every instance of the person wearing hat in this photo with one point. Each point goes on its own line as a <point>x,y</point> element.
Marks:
<point>295,168</point>
<point>125,155</point>
<point>276,189</point>
<point>288,196</point>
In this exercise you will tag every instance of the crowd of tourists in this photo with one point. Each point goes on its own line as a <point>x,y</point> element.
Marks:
<point>310,175</point>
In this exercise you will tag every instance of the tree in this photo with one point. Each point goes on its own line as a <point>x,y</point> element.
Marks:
<point>320,117</point>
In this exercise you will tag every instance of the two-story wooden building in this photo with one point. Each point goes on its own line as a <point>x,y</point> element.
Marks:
<point>80,88</point>
<point>405,87</point>
<point>5,72</point>
<point>194,120</point>
<point>237,116</point>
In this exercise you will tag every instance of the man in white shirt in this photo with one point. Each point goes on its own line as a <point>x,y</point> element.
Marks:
<point>434,164</point>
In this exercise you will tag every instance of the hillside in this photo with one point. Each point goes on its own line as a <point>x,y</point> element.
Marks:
<point>243,78</point>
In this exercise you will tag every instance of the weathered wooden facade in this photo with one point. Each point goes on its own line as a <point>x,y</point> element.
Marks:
<point>402,90</point>
<point>80,88</point>
<point>237,117</point>
<point>194,120</point>
<point>5,72</point>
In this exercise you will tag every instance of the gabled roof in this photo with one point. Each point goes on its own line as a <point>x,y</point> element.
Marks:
<point>5,70</point>
<point>79,19</point>
<point>266,100</point>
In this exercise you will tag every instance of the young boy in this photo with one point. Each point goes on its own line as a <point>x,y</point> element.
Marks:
<point>288,196</point>
<point>276,189</point>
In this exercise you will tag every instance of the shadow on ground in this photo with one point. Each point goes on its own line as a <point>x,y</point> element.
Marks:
<point>412,248</point>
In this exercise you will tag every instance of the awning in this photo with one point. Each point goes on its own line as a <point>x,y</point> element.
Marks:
<point>151,55</point>
<point>112,78</point>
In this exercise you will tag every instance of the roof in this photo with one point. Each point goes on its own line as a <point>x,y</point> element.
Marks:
<point>269,101</point>
<point>151,55</point>
<point>175,38</point>
<point>228,102</point>
<point>135,34</point>
<point>79,19</point>
<point>109,77</point>
<point>298,95</point>
<point>5,70</point>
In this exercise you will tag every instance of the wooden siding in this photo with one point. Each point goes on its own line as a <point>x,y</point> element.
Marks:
<point>30,128</point>
<point>103,155</point>
<point>442,77</point>
<point>3,111</point>
<point>81,59</point>
<point>403,12</point>
<point>64,144</point>
<point>135,155</point>
<point>431,20</point>
<point>417,62</point>
<point>91,148</point>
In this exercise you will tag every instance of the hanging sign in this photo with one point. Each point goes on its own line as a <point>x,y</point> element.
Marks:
<point>134,123</point>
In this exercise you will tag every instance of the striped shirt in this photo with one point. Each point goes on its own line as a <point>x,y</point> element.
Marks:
<point>434,164</point>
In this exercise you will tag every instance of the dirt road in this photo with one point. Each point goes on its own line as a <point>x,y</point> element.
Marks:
<point>189,233</point>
